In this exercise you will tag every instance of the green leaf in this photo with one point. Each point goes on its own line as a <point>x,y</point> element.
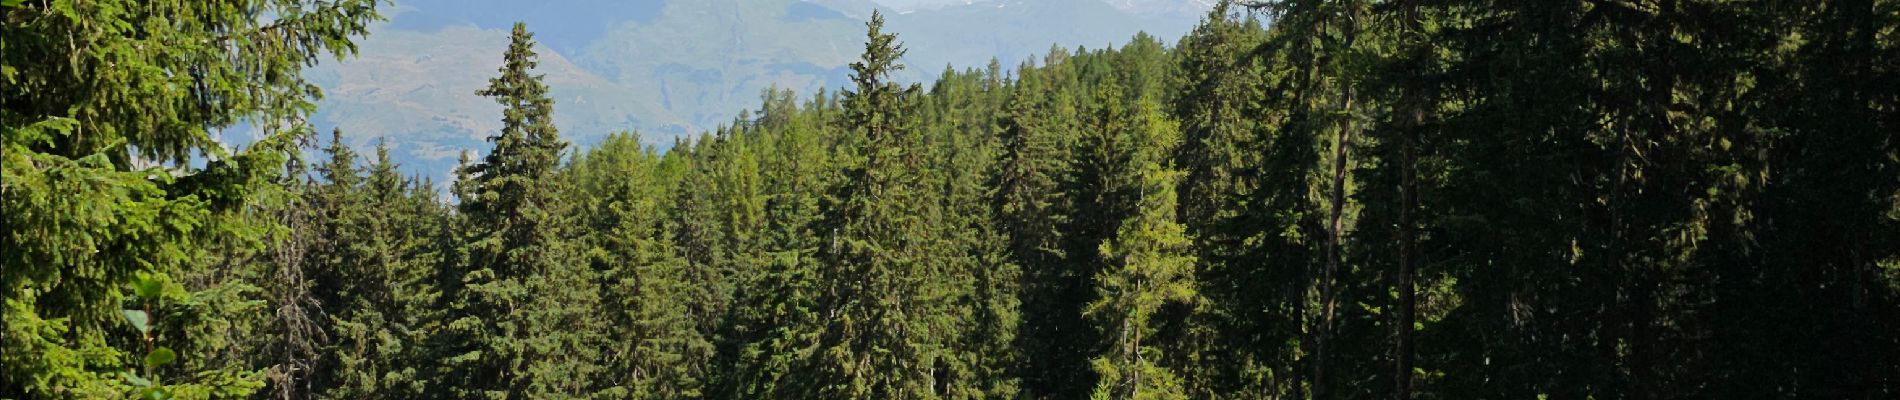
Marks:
<point>11,3</point>
<point>148,288</point>
<point>154,394</point>
<point>139,320</point>
<point>160,357</point>
<point>135,380</point>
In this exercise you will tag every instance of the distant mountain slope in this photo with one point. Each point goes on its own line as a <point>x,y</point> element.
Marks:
<point>1166,8</point>
<point>669,67</point>
<point>417,89</point>
<point>705,60</point>
<point>1010,30</point>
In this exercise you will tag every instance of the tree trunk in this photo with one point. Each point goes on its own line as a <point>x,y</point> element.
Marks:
<point>1342,155</point>
<point>1413,118</point>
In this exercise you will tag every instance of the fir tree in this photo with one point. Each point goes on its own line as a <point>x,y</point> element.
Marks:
<point>523,311</point>
<point>374,275</point>
<point>654,350</point>
<point>772,308</point>
<point>1148,266</point>
<point>1031,211</point>
<point>875,312</point>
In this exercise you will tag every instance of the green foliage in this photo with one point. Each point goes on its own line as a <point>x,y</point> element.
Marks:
<point>367,275</point>
<point>106,101</point>
<point>520,319</point>
<point>655,348</point>
<point>876,340</point>
<point>1147,267</point>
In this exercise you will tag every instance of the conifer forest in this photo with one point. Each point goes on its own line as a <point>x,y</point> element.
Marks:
<point>1300,199</point>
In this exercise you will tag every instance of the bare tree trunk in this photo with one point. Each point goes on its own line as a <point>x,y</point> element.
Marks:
<point>1329,289</point>
<point>300,333</point>
<point>1342,156</point>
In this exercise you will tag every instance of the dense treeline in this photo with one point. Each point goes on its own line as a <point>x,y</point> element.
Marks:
<point>1301,199</point>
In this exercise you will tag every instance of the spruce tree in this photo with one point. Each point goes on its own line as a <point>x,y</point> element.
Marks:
<point>523,313</point>
<point>767,323</point>
<point>654,349</point>
<point>875,312</point>
<point>1148,265</point>
<point>1097,187</point>
<point>407,254</point>
<point>975,271</point>
<point>340,269</point>
<point>1219,120</point>
<point>1031,211</point>
<point>370,272</point>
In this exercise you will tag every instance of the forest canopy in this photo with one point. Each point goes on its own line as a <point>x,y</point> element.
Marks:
<point>1308,199</point>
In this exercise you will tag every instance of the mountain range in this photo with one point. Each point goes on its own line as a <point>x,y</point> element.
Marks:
<point>669,68</point>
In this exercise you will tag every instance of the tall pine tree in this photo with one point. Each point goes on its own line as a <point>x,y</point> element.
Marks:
<point>521,316</point>
<point>876,314</point>
<point>1148,265</point>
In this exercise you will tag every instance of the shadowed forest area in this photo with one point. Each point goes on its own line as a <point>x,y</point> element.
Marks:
<point>1301,199</point>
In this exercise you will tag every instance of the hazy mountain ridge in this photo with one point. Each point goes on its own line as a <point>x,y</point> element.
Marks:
<point>668,68</point>
<point>1175,8</point>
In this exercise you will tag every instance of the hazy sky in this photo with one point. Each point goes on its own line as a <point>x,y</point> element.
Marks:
<point>911,4</point>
